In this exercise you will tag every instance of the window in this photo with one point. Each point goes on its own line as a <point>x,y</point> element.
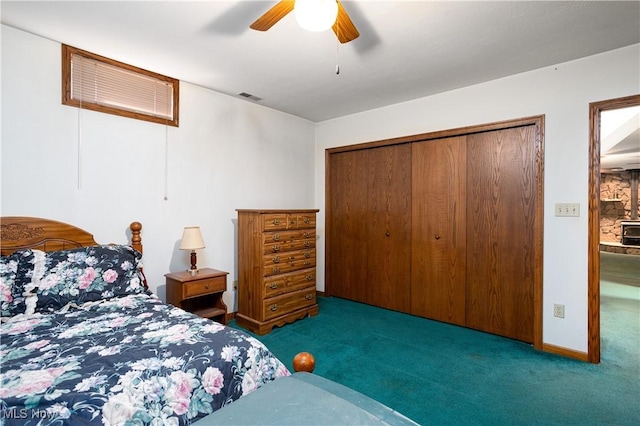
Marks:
<point>94,82</point>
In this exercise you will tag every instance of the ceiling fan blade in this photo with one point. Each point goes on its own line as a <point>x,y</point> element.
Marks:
<point>273,15</point>
<point>343,27</point>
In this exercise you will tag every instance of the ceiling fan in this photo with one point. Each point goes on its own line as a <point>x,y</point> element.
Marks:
<point>343,27</point>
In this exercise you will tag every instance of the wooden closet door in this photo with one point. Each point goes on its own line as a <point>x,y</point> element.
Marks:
<point>388,218</point>
<point>501,213</point>
<point>438,274</point>
<point>347,230</point>
<point>368,257</point>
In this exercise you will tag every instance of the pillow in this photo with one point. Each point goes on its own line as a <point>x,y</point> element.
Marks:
<point>86,274</point>
<point>16,273</point>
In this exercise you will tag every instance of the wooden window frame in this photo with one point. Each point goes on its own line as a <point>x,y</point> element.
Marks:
<point>69,51</point>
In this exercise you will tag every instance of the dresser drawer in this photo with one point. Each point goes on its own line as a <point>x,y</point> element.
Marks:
<point>205,286</point>
<point>286,283</point>
<point>281,263</point>
<point>306,221</point>
<point>274,221</point>
<point>301,221</point>
<point>275,242</point>
<point>280,305</point>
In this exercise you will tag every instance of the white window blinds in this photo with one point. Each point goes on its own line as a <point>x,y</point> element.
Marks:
<point>105,85</point>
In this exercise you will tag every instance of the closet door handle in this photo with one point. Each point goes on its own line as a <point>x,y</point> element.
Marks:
<point>437,237</point>
<point>387,233</point>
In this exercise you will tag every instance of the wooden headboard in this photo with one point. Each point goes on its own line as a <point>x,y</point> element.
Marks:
<point>20,232</point>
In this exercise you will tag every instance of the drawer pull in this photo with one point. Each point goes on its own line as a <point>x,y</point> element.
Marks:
<point>276,249</point>
<point>307,263</point>
<point>309,277</point>
<point>273,307</point>
<point>276,237</point>
<point>276,259</point>
<point>276,270</point>
<point>273,286</point>
<point>306,235</point>
<point>307,254</point>
<point>206,286</point>
<point>307,244</point>
<point>276,221</point>
<point>306,219</point>
<point>309,296</point>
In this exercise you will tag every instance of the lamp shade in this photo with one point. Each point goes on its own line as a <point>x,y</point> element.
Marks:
<point>316,15</point>
<point>191,238</point>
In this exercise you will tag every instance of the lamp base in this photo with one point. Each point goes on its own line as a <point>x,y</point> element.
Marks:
<point>193,261</point>
<point>193,272</point>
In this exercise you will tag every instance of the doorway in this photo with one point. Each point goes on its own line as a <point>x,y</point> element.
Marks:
<point>593,262</point>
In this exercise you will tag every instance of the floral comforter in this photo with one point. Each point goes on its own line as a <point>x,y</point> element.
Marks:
<point>125,360</point>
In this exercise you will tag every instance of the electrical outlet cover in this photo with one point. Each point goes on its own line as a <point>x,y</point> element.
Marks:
<point>558,311</point>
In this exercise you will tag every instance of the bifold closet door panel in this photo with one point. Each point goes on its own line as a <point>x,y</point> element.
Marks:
<point>368,256</point>
<point>388,218</point>
<point>347,230</point>
<point>438,270</point>
<point>501,213</point>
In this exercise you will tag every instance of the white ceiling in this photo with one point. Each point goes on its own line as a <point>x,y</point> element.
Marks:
<point>406,49</point>
<point>620,139</point>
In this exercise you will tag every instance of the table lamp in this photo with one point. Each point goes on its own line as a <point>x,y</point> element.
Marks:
<point>192,240</point>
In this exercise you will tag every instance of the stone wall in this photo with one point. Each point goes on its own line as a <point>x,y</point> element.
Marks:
<point>615,204</point>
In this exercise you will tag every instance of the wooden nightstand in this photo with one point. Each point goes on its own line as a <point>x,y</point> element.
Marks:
<point>200,294</point>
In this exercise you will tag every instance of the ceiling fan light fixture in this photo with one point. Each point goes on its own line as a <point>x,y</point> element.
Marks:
<point>316,15</point>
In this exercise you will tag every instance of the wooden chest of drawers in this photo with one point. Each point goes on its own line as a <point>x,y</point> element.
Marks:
<point>276,267</point>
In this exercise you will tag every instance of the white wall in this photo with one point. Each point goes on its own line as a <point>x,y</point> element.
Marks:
<point>227,154</point>
<point>562,93</point>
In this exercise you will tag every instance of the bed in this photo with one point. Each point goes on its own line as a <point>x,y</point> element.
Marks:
<point>83,340</point>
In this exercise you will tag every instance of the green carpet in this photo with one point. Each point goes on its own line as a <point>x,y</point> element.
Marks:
<point>620,309</point>
<point>440,374</point>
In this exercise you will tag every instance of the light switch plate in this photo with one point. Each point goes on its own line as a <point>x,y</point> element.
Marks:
<point>568,209</point>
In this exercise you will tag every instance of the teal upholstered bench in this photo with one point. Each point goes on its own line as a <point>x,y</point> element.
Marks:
<point>305,399</point>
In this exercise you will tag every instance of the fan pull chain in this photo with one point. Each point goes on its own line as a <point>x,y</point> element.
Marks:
<point>337,58</point>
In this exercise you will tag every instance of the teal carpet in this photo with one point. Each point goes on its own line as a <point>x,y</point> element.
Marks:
<point>440,374</point>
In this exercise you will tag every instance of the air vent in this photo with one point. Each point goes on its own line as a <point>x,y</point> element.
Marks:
<point>249,96</point>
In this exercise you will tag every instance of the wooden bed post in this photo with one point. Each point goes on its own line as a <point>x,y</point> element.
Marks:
<point>136,243</point>
<point>136,240</point>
